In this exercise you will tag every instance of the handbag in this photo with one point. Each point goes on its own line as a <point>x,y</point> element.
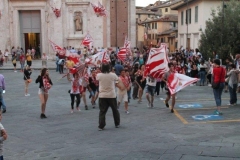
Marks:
<point>216,85</point>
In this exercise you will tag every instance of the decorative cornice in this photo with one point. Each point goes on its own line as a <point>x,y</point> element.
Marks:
<point>77,3</point>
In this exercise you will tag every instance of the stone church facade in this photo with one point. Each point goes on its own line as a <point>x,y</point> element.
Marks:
<point>30,23</point>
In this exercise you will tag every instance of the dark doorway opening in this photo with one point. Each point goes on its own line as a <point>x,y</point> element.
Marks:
<point>32,40</point>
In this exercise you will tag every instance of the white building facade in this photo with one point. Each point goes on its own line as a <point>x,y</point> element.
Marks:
<point>27,23</point>
<point>192,17</point>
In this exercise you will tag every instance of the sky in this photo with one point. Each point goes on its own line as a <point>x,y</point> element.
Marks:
<point>144,3</point>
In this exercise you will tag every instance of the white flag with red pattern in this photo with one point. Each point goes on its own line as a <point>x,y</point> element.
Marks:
<point>87,41</point>
<point>56,48</point>
<point>56,11</point>
<point>99,10</point>
<point>157,63</point>
<point>97,59</point>
<point>177,82</point>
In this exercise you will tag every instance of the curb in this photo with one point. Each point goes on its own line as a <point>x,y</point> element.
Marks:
<point>7,69</point>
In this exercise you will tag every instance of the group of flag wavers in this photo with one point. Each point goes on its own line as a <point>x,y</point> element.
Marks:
<point>85,69</point>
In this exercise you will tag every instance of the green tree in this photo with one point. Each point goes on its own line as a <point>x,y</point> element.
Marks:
<point>222,33</point>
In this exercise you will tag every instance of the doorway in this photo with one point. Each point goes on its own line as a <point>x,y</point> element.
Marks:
<point>188,42</point>
<point>30,28</point>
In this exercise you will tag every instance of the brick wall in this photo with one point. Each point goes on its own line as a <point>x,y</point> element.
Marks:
<point>119,18</point>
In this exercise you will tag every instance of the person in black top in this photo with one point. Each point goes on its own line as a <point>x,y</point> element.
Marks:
<point>26,76</point>
<point>93,84</point>
<point>45,84</point>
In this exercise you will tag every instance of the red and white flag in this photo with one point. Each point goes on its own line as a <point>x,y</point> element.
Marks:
<point>103,11</point>
<point>157,63</point>
<point>56,48</point>
<point>122,54</point>
<point>99,10</point>
<point>87,41</point>
<point>97,59</point>
<point>57,12</point>
<point>177,82</point>
<point>125,51</point>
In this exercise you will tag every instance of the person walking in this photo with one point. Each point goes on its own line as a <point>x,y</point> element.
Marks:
<point>118,67</point>
<point>141,82</point>
<point>94,85</point>
<point>169,95</point>
<point>122,94</point>
<point>232,79</point>
<point>22,61</point>
<point>218,84</point>
<point>150,90</point>
<point>107,95</point>
<point>44,60</point>
<point>74,92</point>
<point>2,90</point>
<point>3,136</point>
<point>29,59</point>
<point>1,59</point>
<point>27,73</point>
<point>6,53</point>
<point>45,84</point>
<point>202,72</point>
<point>14,61</point>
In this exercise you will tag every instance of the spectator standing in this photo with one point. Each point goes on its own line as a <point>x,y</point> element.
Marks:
<point>107,96</point>
<point>26,77</point>
<point>6,53</point>
<point>22,61</point>
<point>3,136</point>
<point>2,90</point>
<point>218,78</point>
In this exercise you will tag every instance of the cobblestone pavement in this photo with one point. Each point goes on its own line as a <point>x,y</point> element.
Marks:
<point>144,133</point>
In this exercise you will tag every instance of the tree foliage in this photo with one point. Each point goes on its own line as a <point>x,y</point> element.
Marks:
<point>222,33</point>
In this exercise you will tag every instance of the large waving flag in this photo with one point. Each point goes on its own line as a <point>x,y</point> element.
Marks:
<point>73,57</point>
<point>87,41</point>
<point>122,54</point>
<point>125,51</point>
<point>177,82</point>
<point>99,58</point>
<point>157,63</point>
<point>56,48</point>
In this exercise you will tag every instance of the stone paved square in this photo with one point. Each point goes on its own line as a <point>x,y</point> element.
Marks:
<point>144,133</point>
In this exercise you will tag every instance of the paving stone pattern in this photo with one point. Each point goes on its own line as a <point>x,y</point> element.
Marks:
<point>144,134</point>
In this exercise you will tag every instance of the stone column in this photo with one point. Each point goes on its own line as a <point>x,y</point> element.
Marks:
<point>132,22</point>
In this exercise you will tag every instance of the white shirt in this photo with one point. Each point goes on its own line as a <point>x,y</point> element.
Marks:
<point>107,84</point>
<point>151,81</point>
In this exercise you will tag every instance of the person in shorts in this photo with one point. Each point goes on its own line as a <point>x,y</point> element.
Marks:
<point>122,94</point>
<point>150,89</point>
<point>169,95</point>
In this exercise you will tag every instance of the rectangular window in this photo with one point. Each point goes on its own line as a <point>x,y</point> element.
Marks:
<point>162,40</point>
<point>166,9</point>
<point>196,14</point>
<point>188,16</point>
<point>156,25</point>
<point>149,36</point>
<point>182,18</point>
<point>152,25</point>
<point>153,36</point>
